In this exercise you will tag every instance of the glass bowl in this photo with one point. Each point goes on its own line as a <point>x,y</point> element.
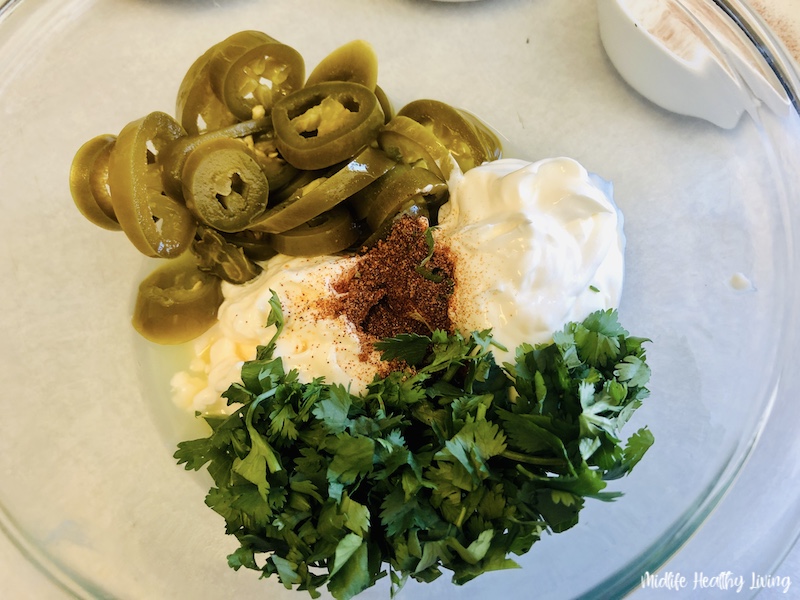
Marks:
<point>91,493</point>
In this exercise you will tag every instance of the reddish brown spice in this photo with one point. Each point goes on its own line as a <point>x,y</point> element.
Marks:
<point>384,294</point>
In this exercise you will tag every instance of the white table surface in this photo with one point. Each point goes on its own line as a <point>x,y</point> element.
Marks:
<point>20,580</point>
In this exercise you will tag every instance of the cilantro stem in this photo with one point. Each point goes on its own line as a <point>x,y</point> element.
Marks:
<point>421,269</point>
<point>257,442</point>
<point>461,516</point>
<point>275,317</point>
<point>533,460</point>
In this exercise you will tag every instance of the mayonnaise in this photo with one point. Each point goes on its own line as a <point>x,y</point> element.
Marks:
<point>536,246</point>
<point>314,345</point>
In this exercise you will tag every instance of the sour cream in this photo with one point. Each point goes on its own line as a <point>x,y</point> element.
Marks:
<point>535,245</point>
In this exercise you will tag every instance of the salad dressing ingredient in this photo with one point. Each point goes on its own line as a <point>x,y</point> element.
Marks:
<point>260,77</point>
<point>355,61</point>
<point>312,342</point>
<point>399,190</point>
<point>157,224</point>
<point>327,233</point>
<point>324,193</point>
<point>88,182</point>
<point>411,143</point>
<point>273,163</point>
<point>522,248</point>
<point>224,186</point>
<point>454,467</point>
<point>229,51</point>
<point>535,245</point>
<point>197,108</point>
<point>218,256</point>
<point>455,130</point>
<point>326,123</point>
<point>401,285</point>
<point>176,282</point>
<point>173,157</point>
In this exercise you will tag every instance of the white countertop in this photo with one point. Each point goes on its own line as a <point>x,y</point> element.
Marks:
<point>20,580</point>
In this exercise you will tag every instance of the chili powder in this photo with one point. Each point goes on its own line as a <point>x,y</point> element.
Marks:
<point>387,292</point>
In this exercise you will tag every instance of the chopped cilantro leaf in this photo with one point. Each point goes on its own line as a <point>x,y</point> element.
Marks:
<point>409,347</point>
<point>598,338</point>
<point>450,466</point>
<point>421,269</point>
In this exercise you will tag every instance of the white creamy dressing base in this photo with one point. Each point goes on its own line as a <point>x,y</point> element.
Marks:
<point>536,245</point>
<point>313,345</point>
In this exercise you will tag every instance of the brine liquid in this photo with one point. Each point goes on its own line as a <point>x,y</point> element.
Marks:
<point>157,364</point>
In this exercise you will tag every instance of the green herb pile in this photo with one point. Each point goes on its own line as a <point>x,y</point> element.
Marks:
<point>454,464</point>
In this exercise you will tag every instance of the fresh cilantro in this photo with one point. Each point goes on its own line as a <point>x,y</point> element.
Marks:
<point>598,337</point>
<point>409,347</point>
<point>421,268</point>
<point>453,465</point>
